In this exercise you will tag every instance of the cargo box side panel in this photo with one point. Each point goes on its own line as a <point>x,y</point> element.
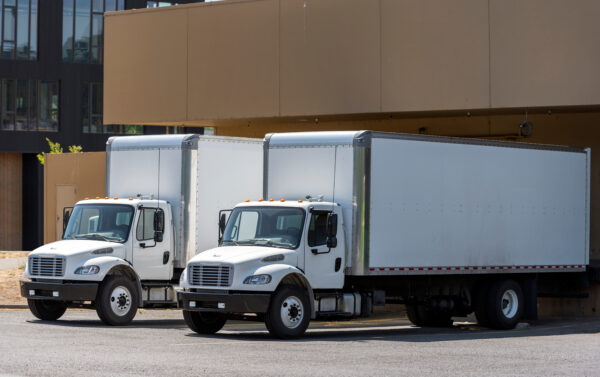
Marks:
<point>437,204</point>
<point>229,172</point>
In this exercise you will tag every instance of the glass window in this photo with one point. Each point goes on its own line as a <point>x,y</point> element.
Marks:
<point>157,4</point>
<point>83,29</point>
<point>105,222</point>
<point>8,104</point>
<point>317,231</point>
<point>92,113</point>
<point>264,226</point>
<point>21,105</point>
<point>145,225</point>
<point>18,26</point>
<point>48,113</point>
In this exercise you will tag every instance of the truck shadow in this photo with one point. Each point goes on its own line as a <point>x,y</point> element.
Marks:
<point>136,324</point>
<point>408,333</point>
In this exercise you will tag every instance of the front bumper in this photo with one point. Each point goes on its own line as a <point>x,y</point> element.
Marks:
<point>223,302</point>
<point>59,291</point>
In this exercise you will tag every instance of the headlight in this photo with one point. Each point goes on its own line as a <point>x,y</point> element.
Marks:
<point>258,279</point>
<point>87,270</point>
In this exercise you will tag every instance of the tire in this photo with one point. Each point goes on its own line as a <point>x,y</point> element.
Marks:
<point>117,301</point>
<point>47,310</point>
<point>204,323</point>
<point>420,315</point>
<point>505,304</point>
<point>481,305</point>
<point>289,312</point>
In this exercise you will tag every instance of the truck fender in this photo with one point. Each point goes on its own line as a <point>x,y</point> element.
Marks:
<point>286,274</point>
<point>117,266</point>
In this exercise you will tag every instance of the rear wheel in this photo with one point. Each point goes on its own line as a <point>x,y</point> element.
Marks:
<point>204,323</point>
<point>117,301</point>
<point>289,312</point>
<point>420,315</point>
<point>505,304</point>
<point>47,310</point>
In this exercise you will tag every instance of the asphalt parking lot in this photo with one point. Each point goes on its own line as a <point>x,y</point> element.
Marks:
<point>158,343</point>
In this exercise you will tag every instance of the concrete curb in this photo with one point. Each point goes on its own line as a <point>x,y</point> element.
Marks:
<point>14,307</point>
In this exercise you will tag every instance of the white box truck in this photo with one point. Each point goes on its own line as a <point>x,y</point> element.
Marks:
<point>127,250</point>
<point>349,220</point>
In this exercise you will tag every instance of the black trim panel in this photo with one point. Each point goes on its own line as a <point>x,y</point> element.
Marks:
<point>66,291</point>
<point>234,302</point>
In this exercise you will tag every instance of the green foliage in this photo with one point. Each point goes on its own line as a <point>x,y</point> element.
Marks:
<point>55,148</point>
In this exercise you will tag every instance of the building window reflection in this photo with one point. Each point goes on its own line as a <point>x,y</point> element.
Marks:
<point>158,4</point>
<point>29,105</point>
<point>18,29</point>
<point>83,33</point>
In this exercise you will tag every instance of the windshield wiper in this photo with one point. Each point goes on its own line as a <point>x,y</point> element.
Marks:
<point>232,241</point>
<point>94,236</point>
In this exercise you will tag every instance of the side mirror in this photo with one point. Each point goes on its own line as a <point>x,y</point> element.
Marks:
<point>66,216</point>
<point>159,222</point>
<point>332,224</point>
<point>222,223</point>
<point>158,236</point>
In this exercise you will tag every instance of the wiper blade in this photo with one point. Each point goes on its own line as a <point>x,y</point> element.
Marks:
<point>93,236</point>
<point>232,241</point>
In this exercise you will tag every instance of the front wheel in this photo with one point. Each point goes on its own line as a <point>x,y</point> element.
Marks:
<point>289,313</point>
<point>204,323</point>
<point>117,301</point>
<point>47,310</point>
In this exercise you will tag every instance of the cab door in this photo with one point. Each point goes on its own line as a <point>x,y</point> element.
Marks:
<point>323,266</point>
<point>152,259</point>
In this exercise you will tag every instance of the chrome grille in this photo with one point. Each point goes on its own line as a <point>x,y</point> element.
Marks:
<point>210,275</point>
<point>46,266</point>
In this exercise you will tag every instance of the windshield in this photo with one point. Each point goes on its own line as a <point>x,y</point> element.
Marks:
<point>104,222</point>
<point>264,226</point>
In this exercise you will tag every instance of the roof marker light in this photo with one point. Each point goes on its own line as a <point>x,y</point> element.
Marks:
<point>106,197</point>
<point>87,199</point>
<point>282,200</point>
<point>300,201</point>
<point>97,197</point>
<point>130,198</point>
<point>260,200</point>
<point>116,198</point>
<point>247,200</point>
<point>271,200</point>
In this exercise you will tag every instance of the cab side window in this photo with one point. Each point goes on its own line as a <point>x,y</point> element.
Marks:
<point>145,225</point>
<point>317,230</point>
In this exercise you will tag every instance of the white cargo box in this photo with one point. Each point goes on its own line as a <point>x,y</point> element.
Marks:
<point>198,176</point>
<point>416,204</point>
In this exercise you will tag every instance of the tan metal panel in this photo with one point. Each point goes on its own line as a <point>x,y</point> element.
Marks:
<point>234,60</point>
<point>85,173</point>
<point>434,55</point>
<point>11,201</point>
<point>330,59</point>
<point>145,67</point>
<point>544,52</point>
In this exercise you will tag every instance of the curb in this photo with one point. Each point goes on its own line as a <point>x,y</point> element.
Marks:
<point>14,306</point>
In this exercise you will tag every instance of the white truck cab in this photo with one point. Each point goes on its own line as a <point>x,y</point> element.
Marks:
<point>267,245</point>
<point>128,249</point>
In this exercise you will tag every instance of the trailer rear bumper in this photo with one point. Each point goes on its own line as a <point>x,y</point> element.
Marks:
<point>224,302</point>
<point>58,291</point>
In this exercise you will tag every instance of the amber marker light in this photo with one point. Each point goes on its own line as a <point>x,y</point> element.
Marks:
<point>87,198</point>
<point>261,200</point>
<point>271,200</point>
<point>247,200</point>
<point>130,198</point>
<point>116,198</point>
<point>282,200</point>
<point>97,197</point>
<point>106,197</point>
<point>300,201</point>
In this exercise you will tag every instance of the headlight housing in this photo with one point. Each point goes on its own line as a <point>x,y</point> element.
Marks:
<point>87,270</point>
<point>258,279</point>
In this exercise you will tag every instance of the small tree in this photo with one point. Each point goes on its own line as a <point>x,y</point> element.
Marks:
<point>55,148</point>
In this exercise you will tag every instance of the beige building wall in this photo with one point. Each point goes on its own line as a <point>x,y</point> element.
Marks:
<point>199,63</point>
<point>11,201</point>
<point>68,178</point>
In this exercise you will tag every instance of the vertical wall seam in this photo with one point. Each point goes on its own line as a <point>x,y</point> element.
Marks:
<point>279,58</point>
<point>489,57</point>
<point>187,65</point>
<point>380,59</point>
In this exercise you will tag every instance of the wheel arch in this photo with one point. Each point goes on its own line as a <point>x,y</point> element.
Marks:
<point>127,271</point>
<point>300,280</point>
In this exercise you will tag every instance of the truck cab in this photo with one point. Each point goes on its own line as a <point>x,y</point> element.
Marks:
<point>274,260</point>
<point>111,249</point>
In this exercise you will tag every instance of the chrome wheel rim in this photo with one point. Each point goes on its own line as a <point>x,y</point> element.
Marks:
<point>292,312</point>
<point>120,301</point>
<point>510,303</point>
